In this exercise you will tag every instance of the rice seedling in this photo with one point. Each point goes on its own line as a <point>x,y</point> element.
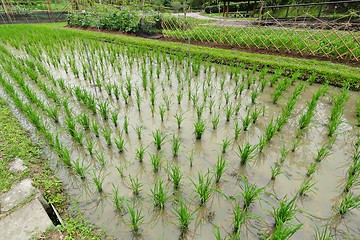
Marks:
<point>211,105</point>
<point>246,121</point>
<point>348,203</point>
<point>200,127</point>
<point>106,132</point>
<point>118,201</point>
<point>264,82</point>
<point>275,171</point>
<point>179,96</point>
<point>120,143</point>
<point>240,216</point>
<point>270,130</point>
<point>183,215</point>
<point>156,160</point>
<point>116,91</point>
<point>159,138</point>
<point>135,185</point>
<point>162,111</point>
<point>284,152</point>
<point>200,110</point>
<point>307,187</point>
<point>70,123</point>
<point>250,193</point>
<point>80,168</point>
<point>90,146</point>
<point>179,119</point>
<point>254,95</point>
<point>103,108</point>
<point>84,121</point>
<point>176,143</point>
<point>237,130</point>
<point>311,169</point>
<point>275,77</point>
<point>352,181</point>
<point>128,86</point>
<point>108,89</point>
<point>325,234</point>
<point>95,127</point>
<point>98,180</point>
<point>126,124</point>
<point>167,101</point>
<point>120,170</point>
<point>175,175</point>
<point>246,152</point>
<point>323,152</point>
<point>135,218</point>
<point>333,125</point>
<point>285,231</point>
<point>203,188</point>
<point>215,120</point>
<point>53,113</point>
<point>219,168</point>
<point>285,212</point>
<point>159,194</point>
<point>140,152</point>
<point>227,97</point>
<point>152,109</point>
<point>229,111</point>
<point>125,96</point>
<point>100,157</point>
<point>114,117</point>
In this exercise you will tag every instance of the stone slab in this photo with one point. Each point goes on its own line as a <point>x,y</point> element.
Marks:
<point>17,166</point>
<point>17,194</point>
<point>28,221</point>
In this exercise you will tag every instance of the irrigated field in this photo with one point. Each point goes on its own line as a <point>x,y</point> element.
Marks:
<point>159,145</point>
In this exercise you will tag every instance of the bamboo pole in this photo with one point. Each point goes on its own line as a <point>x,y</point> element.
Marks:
<point>5,10</point>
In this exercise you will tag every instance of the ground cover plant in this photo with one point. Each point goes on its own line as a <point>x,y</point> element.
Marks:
<point>204,144</point>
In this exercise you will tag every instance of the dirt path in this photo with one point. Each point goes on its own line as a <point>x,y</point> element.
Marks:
<point>220,21</point>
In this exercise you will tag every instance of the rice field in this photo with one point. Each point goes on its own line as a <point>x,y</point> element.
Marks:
<point>160,145</point>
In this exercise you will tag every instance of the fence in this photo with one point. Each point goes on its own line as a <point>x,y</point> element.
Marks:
<point>330,39</point>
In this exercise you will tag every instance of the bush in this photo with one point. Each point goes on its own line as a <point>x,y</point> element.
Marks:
<point>150,23</point>
<point>125,21</point>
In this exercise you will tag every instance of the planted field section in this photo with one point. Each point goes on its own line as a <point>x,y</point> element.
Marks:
<point>292,39</point>
<point>165,146</point>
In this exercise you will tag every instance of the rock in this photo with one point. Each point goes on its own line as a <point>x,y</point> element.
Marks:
<point>17,165</point>
<point>28,221</point>
<point>17,194</point>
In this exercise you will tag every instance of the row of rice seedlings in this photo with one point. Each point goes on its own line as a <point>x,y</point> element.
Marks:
<point>337,111</point>
<point>306,117</point>
<point>280,88</point>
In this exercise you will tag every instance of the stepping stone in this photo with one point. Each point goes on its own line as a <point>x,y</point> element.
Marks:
<point>17,194</point>
<point>28,221</point>
<point>17,165</point>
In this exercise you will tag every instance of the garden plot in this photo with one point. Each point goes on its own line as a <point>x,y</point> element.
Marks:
<point>161,145</point>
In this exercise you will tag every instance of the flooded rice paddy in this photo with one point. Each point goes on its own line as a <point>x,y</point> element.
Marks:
<point>248,124</point>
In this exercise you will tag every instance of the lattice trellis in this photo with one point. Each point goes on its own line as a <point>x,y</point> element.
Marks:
<point>323,40</point>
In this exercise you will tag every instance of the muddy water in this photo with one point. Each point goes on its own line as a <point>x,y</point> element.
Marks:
<point>99,209</point>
